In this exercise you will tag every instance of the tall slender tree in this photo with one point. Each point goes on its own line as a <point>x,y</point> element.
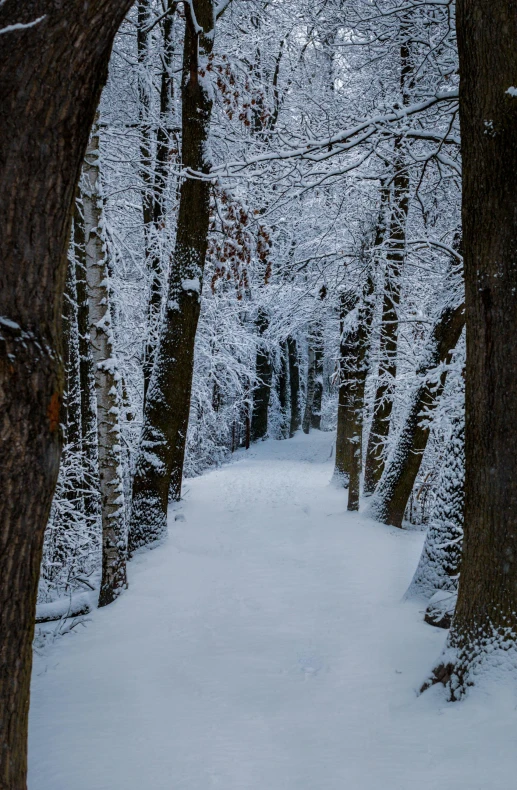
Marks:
<point>107,378</point>
<point>347,305</point>
<point>394,489</point>
<point>167,404</point>
<point>395,255</point>
<point>294,386</point>
<point>262,391</point>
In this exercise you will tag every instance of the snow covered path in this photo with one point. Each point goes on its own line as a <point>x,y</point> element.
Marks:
<point>264,647</point>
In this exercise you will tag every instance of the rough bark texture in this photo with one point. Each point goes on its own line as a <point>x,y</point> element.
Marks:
<point>168,398</point>
<point>294,386</point>
<point>484,630</point>
<point>51,75</point>
<point>262,391</point>
<point>393,492</point>
<point>114,534</point>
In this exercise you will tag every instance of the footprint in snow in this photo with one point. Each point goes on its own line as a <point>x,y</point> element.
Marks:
<point>310,664</point>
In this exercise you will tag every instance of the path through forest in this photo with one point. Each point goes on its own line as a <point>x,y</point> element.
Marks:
<point>264,647</point>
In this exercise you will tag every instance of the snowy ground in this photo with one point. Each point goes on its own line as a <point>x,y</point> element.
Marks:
<point>264,647</point>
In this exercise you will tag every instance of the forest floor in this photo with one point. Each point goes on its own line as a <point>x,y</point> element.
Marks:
<point>264,646</point>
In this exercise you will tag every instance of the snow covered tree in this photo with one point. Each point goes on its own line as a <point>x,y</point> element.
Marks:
<point>437,574</point>
<point>107,382</point>
<point>167,404</point>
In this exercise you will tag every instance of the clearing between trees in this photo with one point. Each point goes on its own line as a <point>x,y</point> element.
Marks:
<point>264,646</point>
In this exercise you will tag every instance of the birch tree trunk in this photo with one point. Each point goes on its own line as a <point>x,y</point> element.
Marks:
<point>86,379</point>
<point>483,635</point>
<point>168,398</point>
<point>51,75</point>
<point>71,416</point>
<point>114,537</point>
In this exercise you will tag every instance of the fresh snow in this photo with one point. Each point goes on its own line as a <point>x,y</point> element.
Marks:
<point>264,646</point>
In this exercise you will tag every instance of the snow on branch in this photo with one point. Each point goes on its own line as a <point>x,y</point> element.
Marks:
<point>358,134</point>
<point>22,25</point>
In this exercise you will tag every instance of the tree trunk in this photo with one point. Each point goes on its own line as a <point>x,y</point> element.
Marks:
<point>168,399</point>
<point>86,379</point>
<point>396,250</point>
<point>283,389</point>
<point>262,391</point>
<point>153,199</point>
<point>484,629</point>
<point>114,536</point>
<point>71,415</point>
<point>383,404</point>
<point>354,427</point>
<point>318,382</point>
<point>51,75</point>
<point>311,384</point>
<point>348,302</point>
<point>439,565</point>
<point>294,386</point>
<point>393,492</point>
<point>361,344</point>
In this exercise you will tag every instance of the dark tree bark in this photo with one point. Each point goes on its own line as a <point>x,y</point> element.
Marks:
<point>318,383</point>
<point>168,399</point>
<point>394,489</point>
<point>294,386</point>
<point>309,394</point>
<point>51,75</point>
<point>177,462</point>
<point>348,302</point>
<point>484,629</point>
<point>262,391</point>
<point>283,389</point>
